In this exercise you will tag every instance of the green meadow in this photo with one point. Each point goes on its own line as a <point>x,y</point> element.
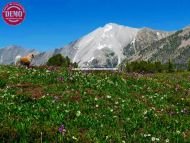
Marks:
<point>55,105</point>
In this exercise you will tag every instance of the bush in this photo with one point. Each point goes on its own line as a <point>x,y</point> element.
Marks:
<point>59,60</point>
<point>56,60</point>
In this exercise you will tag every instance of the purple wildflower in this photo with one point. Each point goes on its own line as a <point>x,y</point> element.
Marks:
<point>62,129</point>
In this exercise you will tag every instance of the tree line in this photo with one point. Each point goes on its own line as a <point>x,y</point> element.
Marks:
<point>136,66</point>
<point>151,67</point>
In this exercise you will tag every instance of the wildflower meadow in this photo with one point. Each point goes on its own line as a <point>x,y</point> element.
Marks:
<point>42,105</point>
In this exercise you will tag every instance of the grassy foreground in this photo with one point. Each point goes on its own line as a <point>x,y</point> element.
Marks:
<point>40,105</point>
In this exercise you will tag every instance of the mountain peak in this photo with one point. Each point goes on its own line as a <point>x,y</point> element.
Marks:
<point>115,25</point>
<point>111,24</point>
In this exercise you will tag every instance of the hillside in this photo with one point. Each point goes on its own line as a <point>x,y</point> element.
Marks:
<point>48,104</point>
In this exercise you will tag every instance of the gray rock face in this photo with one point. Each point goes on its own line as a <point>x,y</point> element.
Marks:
<point>112,44</point>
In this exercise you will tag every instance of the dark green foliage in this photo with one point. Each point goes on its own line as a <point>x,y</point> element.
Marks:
<point>158,66</point>
<point>189,65</point>
<point>170,66</point>
<point>144,67</point>
<point>75,65</point>
<point>59,60</point>
<point>150,67</point>
<point>153,67</point>
<point>56,60</point>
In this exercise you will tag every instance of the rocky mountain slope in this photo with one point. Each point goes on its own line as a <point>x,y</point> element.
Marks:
<point>175,47</point>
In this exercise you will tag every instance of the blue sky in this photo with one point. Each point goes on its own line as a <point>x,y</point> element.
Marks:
<point>52,24</point>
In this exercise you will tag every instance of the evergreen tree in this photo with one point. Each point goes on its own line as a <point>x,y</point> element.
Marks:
<point>170,66</point>
<point>75,65</point>
<point>56,60</point>
<point>189,65</point>
<point>67,62</point>
<point>158,66</point>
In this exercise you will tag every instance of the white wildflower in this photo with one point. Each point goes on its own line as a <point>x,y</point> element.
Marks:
<point>178,132</point>
<point>116,102</point>
<point>74,138</point>
<point>153,139</point>
<point>67,111</point>
<point>157,139</point>
<point>145,112</point>
<point>78,113</point>
<point>107,137</point>
<point>108,96</point>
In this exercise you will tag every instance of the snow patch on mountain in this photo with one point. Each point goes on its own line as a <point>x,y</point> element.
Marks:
<point>91,59</point>
<point>108,28</point>
<point>158,33</point>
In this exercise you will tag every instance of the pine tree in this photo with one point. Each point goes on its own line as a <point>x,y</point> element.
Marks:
<point>56,60</point>
<point>189,65</point>
<point>170,66</point>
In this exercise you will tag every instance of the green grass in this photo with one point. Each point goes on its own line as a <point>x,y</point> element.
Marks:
<point>96,107</point>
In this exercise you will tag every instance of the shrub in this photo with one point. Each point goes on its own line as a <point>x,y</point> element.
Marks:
<point>56,60</point>
<point>59,60</point>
